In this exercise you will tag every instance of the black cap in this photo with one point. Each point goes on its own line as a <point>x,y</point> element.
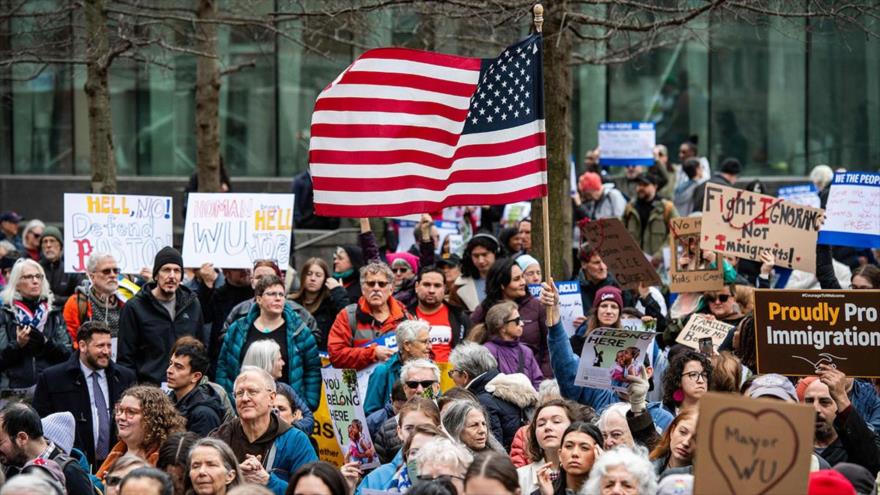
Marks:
<point>167,256</point>
<point>647,178</point>
<point>731,166</point>
<point>10,216</point>
<point>451,260</point>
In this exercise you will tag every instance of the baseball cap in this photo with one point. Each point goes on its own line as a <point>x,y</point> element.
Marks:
<point>646,178</point>
<point>451,260</point>
<point>772,385</point>
<point>10,216</point>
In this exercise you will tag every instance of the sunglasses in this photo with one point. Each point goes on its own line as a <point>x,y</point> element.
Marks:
<point>722,298</point>
<point>516,321</point>
<point>110,271</point>
<point>400,270</point>
<point>376,283</point>
<point>414,384</point>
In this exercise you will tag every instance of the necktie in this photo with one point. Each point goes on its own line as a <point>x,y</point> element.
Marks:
<point>102,448</point>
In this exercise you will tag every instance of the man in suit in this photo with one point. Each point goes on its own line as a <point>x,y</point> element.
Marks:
<point>87,385</point>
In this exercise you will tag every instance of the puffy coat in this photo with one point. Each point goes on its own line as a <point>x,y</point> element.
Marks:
<point>507,399</point>
<point>305,364</point>
<point>387,442</point>
<point>534,318</point>
<point>515,357</point>
<point>202,409</point>
<point>353,348</point>
<point>147,333</point>
<point>243,308</point>
<point>381,477</point>
<point>519,451</point>
<point>20,367</point>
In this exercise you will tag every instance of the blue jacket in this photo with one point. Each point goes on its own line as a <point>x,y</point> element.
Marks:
<point>378,418</point>
<point>865,400</point>
<point>565,364</point>
<point>381,477</point>
<point>380,383</point>
<point>305,364</point>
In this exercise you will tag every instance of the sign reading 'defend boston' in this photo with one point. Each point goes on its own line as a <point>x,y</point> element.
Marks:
<point>796,331</point>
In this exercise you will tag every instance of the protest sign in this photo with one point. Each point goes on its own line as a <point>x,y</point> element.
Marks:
<point>406,233</point>
<point>700,326</point>
<point>852,215</point>
<point>515,212</point>
<point>627,143</point>
<point>324,433</point>
<point>801,194</point>
<point>742,223</point>
<point>131,228</point>
<point>632,324</point>
<point>620,252</point>
<point>750,446</point>
<point>232,230</point>
<point>689,271</point>
<point>571,306</point>
<point>796,331</point>
<point>609,355</point>
<point>347,414</point>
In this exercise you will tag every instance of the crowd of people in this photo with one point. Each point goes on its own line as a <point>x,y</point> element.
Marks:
<point>206,381</point>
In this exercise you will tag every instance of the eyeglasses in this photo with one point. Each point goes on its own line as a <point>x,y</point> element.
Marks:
<point>276,295</point>
<point>696,375</point>
<point>110,271</point>
<point>34,276</point>
<point>400,270</point>
<point>722,298</point>
<point>516,321</point>
<point>128,411</point>
<point>36,234</point>
<point>376,283</point>
<point>250,392</point>
<point>414,384</point>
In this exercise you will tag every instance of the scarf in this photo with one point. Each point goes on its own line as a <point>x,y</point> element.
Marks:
<point>400,482</point>
<point>108,311</point>
<point>343,275</point>
<point>30,314</point>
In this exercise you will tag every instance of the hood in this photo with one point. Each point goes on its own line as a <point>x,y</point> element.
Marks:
<point>201,396</point>
<point>515,388</point>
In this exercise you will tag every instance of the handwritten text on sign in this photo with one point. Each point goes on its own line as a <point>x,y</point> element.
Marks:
<point>698,327</point>
<point>234,230</point>
<point>131,228</point>
<point>627,143</point>
<point>742,223</point>
<point>620,252</point>
<point>853,211</point>
<point>571,306</point>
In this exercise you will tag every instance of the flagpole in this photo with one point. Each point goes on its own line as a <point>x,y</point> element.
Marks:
<point>538,11</point>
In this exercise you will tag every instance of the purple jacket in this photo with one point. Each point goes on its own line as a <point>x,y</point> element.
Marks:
<point>534,334</point>
<point>508,353</point>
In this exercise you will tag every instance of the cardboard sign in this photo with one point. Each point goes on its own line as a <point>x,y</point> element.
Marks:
<point>611,354</point>
<point>571,306</point>
<point>347,414</point>
<point>748,446</point>
<point>232,230</point>
<point>131,228</point>
<point>852,215</point>
<point>699,326</point>
<point>620,252</point>
<point>802,194</point>
<point>627,143</point>
<point>688,270</point>
<point>742,223</point>
<point>795,331</point>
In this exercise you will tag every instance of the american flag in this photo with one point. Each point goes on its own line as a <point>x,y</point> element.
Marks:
<point>405,131</point>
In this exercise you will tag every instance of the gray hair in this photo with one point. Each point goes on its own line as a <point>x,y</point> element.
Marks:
<point>408,331</point>
<point>636,463</point>
<point>263,374</point>
<point>419,364</point>
<point>454,419</point>
<point>376,267</point>
<point>33,224</point>
<point>547,390</point>
<point>10,293</point>
<point>821,175</point>
<point>127,460</point>
<point>618,409</point>
<point>7,247</point>
<point>262,354</point>
<point>444,451</point>
<point>472,358</point>
<point>226,455</point>
<point>31,484</point>
<point>95,258</point>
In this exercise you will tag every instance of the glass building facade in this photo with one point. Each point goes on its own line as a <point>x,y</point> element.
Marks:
<point>780,100</point>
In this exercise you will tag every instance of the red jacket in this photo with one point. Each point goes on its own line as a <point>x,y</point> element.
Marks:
<point>353,349</point>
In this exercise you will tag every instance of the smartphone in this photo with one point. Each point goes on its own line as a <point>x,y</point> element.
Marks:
<point>706,348</point>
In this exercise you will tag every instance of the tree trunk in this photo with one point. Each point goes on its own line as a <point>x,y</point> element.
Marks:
<point>557,101</point>
<point>208,101</point>
<point>97,91</point>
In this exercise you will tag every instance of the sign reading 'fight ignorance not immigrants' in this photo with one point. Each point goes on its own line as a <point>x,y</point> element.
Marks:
<point>796,331</point>
<point>742,223</point>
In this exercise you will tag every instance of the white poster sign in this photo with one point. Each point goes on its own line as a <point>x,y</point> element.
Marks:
<point>627,143</point>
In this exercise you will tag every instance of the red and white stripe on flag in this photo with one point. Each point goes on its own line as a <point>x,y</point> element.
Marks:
<point>405,131</point>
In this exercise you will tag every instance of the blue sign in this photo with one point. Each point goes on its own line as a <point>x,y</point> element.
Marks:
<point>627,143</point>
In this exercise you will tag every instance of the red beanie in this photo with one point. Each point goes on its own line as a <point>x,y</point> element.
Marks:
<point>829,482</point>
<point>802,385</point>
<point>590,181</point>
<point>609,292</point>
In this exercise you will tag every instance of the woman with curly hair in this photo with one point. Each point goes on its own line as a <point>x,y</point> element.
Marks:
<point>686,380</point>
<point>144,418</point>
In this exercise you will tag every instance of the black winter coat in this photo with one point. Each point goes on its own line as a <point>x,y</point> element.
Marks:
<point>20,367</point>
<point>505,417</point>
<point>63,388</point>
<point>387,442</point>
<point>147,332</point>
<point>326,313</point>
<point>202,409</point>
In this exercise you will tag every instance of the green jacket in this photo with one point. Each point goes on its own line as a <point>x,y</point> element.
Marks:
<point>656,235</point>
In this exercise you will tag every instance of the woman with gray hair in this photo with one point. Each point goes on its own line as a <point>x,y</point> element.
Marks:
<point>413,342</point>
<point>32,333</point>
<point>622,470</point>
<point>442,458</point>
<point>468,423</point>
<point>507,399</point>
<point>266,354</point>
<point>212,468</point>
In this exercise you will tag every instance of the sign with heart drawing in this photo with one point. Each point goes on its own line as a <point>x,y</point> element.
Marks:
<point>752,446</point>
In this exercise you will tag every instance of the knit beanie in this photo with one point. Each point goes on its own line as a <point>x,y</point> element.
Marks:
<point>355,254</point>
<point>524,261</point>
<point>60,429</point>
<point>167,255</point>
<point>829,482</point>
<point>801,387</point>
<point>54,232</point>
<point>407,258</point>
<point>861,478</point>
<point>608,293</point>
